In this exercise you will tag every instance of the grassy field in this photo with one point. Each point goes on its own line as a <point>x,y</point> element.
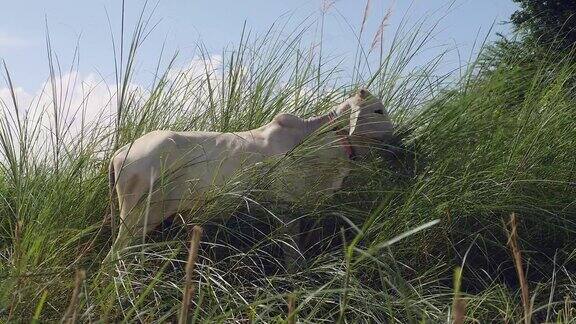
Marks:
<point>425,239</point>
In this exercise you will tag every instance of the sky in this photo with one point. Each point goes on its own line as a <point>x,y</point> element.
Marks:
<point>182,24</point>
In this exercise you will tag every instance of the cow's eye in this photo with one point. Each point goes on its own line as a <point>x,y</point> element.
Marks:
<point>379,111</point>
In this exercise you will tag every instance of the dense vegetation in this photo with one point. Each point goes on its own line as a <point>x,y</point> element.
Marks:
<point>546,22</point>
<point>422,239</point>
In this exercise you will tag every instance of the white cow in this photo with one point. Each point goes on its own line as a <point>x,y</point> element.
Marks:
<point>165,172</point>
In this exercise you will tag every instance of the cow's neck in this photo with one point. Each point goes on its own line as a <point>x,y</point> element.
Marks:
<point>363,146</point>
<point>330,118</point>
<point>314,123</point>
<point>345,145</point>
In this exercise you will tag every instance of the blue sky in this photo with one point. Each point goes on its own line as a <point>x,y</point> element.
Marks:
<point>182,24</point>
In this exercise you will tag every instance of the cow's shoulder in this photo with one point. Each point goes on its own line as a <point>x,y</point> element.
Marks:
<point>288,120</point>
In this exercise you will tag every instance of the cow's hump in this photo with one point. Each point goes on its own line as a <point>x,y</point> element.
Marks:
<point>288,120</point>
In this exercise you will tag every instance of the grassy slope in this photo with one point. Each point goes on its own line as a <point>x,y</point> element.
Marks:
<point>494,143</point>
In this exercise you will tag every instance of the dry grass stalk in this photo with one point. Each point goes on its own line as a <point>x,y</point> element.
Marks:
<point>364,17</point>
<point>291,319</point>
<point>379,36</point>
<point>517,255</point>
<point>188,286</point>
<point>70,315</point>
<point>459,304</point>
<point>326,5</point>
<point>459,310</point>
<point>567,316</point>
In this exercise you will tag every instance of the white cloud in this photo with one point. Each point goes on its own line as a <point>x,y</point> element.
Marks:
<point>77,97</point>
<point>197,67</point>
<point>10,41</point>
<point>84,104</point>
<point>191,86</point>
<point>87,102</point>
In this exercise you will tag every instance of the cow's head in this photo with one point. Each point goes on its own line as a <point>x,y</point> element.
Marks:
<point>368,117</point>
<point>370,125</point>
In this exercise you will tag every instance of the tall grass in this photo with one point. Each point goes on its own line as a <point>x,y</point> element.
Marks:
<point>384,249</point>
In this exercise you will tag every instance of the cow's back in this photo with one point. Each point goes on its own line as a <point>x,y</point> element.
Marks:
<point>181,168</point>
